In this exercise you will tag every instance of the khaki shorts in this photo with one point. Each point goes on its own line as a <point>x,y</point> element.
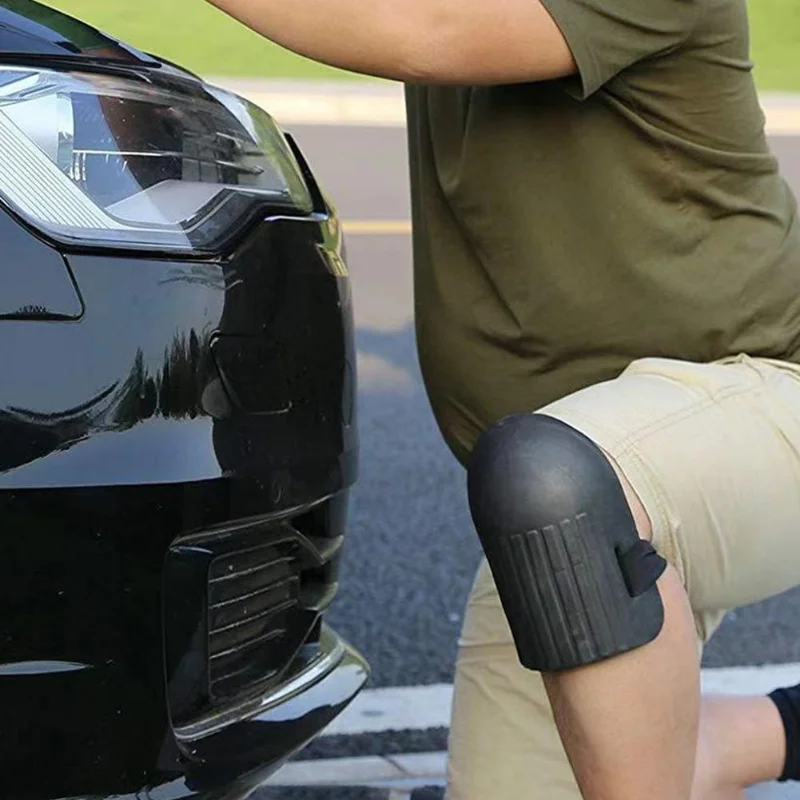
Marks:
<point>713,452</point>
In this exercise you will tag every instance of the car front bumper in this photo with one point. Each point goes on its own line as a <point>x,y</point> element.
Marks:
<point>195,424</point>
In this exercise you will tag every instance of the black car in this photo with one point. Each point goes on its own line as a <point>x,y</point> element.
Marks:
<point>177,428</point>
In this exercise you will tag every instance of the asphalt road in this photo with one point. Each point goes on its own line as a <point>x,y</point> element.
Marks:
<point>412,553</point>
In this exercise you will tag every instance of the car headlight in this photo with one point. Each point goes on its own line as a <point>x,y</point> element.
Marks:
<point>91,159</point>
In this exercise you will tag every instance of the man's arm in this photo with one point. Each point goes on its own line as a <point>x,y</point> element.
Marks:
<point>469,42</point>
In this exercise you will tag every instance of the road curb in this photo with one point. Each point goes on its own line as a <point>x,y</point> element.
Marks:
<point>382,104</point>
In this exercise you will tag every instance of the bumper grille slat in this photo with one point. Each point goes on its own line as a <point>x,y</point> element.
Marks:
<point>238,652</point>
<point>243,633</point>
<point>242,675</point>
<point>246,666</point>
<point>231,573</point>
<point>229,613</point>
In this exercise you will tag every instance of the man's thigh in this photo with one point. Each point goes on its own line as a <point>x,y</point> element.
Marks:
<point>713,453</point>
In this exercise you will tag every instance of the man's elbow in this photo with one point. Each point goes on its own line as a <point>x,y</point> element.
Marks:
<point>418,55</point>
<point>436,58</point>
<point>445,45</point>
<point>424,68</point>
<point>432,43</point>
<point>439,62</point>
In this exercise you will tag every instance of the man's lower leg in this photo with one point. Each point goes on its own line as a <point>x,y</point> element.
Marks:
<point>741,743</point>
<point>630,724</point>
<point>627,734</point>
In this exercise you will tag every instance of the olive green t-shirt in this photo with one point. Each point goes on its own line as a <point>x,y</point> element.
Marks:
<point>564,229</point>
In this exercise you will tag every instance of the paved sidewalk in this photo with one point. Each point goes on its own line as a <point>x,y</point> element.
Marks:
<point>381,103</point>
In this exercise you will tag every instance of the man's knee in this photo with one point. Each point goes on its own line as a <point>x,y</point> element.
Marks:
<point>577,582</point>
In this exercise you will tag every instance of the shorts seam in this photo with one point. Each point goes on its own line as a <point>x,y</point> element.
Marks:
<point>634,438</point>
<point>663,534</point>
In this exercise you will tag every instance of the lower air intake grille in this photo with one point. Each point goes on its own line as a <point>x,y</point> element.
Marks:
<point>253,607</point>
<point>243,605</point>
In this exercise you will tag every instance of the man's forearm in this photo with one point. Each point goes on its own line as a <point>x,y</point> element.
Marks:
<point>435,41</point>
<point>352,34</point>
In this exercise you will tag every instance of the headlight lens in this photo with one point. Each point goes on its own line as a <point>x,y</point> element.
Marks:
<point>116,162</point>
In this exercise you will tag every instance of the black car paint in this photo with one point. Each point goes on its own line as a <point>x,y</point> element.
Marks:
<point>30,30</point>
<point>153,411</point>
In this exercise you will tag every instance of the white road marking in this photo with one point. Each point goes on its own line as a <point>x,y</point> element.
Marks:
<point>377,227</point>
<point>426,707</point>
<point>361,771</point>
<point>783,122</point>
<point>750,680</point>
<point>367,104</point>
<point>396,709</point>
<point>398,773</point>
<point>383,112</point>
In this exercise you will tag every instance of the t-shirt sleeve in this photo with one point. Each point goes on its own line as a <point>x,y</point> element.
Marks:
<point>608,36</point>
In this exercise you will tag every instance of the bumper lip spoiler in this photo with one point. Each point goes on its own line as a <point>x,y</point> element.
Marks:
<point>336,655</point>
<point>240,748</point>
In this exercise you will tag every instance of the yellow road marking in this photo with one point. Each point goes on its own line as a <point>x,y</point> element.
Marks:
<point>383,105</point>
<point>332,109</point>
<point>377,227</point>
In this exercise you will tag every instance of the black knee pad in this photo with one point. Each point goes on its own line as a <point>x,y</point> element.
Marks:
<point>577,583</point>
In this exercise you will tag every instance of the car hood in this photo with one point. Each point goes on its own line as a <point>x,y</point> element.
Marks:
<point>30,30</point>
